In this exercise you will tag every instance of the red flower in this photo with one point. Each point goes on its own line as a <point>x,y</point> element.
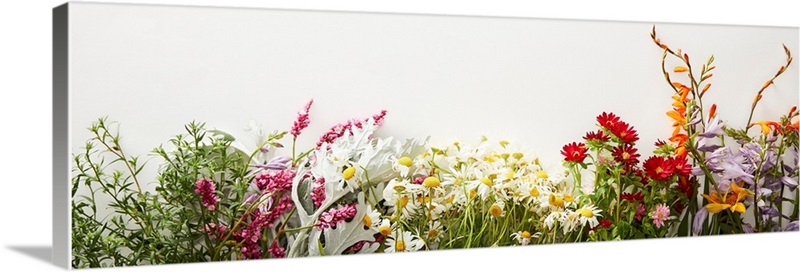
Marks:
<point>658,168</point>
<point>660,143</point>
<point>638,196</point>
<point>607,120</point>
<point>574,152</point>
<point>681,165</point>
<point>624,132</point>
<point>604,223</point>
<point>625,154</point>
<point>596,135</point>
<point>686,185</point>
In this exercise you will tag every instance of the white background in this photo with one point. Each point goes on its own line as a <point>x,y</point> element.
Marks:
<point>26,116</point>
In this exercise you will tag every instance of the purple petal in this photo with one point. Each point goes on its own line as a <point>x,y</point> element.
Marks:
<point>708,148</point>
<point>699,219</point>
<point>747,228</point>
<point>789,182</point>
<point>794,226</point>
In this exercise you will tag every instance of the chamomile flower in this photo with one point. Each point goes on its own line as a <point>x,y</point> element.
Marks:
<point>372,219</point>
<point>524,237</point>
<point>589,214</point>
<point>403,242</point>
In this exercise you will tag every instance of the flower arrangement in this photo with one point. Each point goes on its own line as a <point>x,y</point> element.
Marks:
<point>353,192</point>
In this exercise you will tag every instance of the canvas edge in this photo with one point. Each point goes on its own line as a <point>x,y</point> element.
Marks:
<point>61,204</point>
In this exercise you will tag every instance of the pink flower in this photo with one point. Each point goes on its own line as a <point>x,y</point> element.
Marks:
<point>216,231</point>
<point>276,250</point>
<point>640,210</point>
<point>660,214</point>
<point>338,131</point>
<point>302,120</point>
<point>318,192</point>
<point>334,216</point>
<point>274,181</point>
<point>206,188</point>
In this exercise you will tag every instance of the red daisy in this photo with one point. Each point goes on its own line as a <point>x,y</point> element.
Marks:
<point>625,132</point>
<point>604,223</point>
<point>626,154</point>
<point>574,152</point>
<point>658,168</point>
<point>596,135</point>
<point>607,120</point>
<point>681,165</point>
<point>638,196</point>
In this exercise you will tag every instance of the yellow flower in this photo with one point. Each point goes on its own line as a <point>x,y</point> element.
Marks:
<point>405,161</point>
<point>730,200</point>
<point>431,182</point>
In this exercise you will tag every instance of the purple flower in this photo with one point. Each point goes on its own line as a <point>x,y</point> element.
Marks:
<point>699,219</point>
<point>713,128</point>
<point>277,163</point>
<point>792,226</point>
<point>789,182</point>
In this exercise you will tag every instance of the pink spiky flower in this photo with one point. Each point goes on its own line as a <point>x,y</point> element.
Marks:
<point>339,130</point>
<point>660,214</point>
<point>302,120</point>
<point>206,188</point>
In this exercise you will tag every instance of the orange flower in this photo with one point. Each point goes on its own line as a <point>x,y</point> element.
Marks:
<point>730,200</point>
<point>766,126</point>
<point>712,111</point>
<point>680,69</point>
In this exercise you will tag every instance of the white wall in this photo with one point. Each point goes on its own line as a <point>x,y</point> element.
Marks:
<point>537,82</point>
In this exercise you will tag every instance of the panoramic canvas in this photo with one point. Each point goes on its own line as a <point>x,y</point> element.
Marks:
<point>198,134</point>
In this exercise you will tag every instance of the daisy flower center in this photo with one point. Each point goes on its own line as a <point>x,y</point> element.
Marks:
<point>534,192</point>
<point>385,230</point>
<point>349,173</point>
<point>541,174</point>
<point>495,210</point>
<point>587,213</point>
<point>486,181</point>
<point>367,221</point>
<point>400,246</point>
<point>405,161</point>
<point>525,235</point>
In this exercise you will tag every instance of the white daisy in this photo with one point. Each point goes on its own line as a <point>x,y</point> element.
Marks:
<point>589,214</point>
<point>405,242</point>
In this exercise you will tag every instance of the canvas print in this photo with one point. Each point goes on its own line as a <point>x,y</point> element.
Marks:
<point>288,160</point>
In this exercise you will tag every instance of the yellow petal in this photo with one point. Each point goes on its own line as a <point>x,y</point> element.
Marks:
<point>739,207</point>
<point>716,207</point>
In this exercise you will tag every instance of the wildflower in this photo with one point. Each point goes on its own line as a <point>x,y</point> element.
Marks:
<point>640,210</point>
<point>632,197</point>
<point>524,237</point>
<point>334,216</point>
<point>431,182</point>
<point>607,120</point>
<point>680,69</point>
<point>405,242</point>
<point>660,214</point>
<point>276,250</point>
<point>385,228</point>
<point>625,154</point>
<point>574,152</point>
<point>206,188</point>
<point>589,214</point>
<point>625,132</point>
<point>731,199</point>
<point>658,168</point>
<point>496,210</point>
<point>302,120</point>
<point>596,136</point>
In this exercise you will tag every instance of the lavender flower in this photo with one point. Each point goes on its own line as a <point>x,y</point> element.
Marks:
<point>713,128</point>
